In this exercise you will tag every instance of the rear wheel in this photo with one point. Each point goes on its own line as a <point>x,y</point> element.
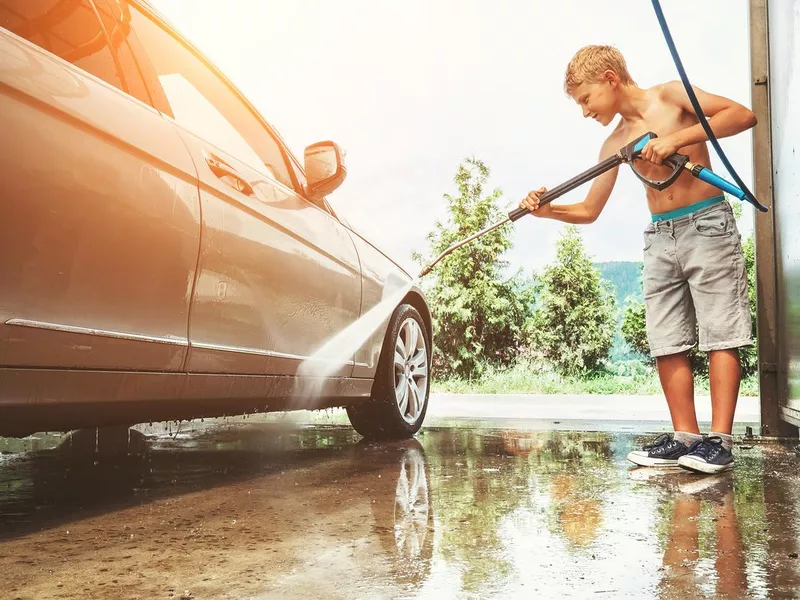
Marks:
<point>402,384</point>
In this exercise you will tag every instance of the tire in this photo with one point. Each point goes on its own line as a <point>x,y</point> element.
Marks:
<point>386,415</point>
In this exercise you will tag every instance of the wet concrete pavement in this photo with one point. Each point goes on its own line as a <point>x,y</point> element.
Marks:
<point>277,509</point>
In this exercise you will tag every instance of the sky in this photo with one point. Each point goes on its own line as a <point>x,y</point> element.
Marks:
<point>410,89</point>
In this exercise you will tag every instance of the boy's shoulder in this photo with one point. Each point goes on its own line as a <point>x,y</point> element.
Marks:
<point>668,92</point>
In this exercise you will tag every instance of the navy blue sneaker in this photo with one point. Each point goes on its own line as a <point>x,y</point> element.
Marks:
<point>707,456</point>
<point>664,451</point>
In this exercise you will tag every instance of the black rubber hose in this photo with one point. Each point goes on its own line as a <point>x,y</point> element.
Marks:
<point>699,111</point>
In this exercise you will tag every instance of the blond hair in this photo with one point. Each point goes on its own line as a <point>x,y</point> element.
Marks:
<point>589,64</point>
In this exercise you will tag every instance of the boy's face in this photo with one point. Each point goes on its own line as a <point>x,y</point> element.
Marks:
<point>598,100</point>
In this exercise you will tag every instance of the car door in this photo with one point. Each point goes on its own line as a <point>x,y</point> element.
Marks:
<point>277,275</point>
<point>99,221</point>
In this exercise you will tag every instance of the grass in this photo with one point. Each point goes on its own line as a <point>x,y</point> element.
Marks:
<point>521,379</point>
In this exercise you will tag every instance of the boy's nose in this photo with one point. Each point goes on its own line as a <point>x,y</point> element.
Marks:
<point>586,112</point>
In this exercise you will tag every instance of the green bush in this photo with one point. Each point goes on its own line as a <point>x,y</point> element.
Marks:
<point>573,324</point>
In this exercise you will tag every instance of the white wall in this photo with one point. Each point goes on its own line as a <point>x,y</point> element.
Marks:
<point>784,34</point>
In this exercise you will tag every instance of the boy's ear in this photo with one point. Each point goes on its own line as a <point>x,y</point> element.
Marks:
<point>611,77</point>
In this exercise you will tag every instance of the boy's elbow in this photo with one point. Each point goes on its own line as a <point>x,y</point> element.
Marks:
<point>751,120</point>
<point>590,213</point>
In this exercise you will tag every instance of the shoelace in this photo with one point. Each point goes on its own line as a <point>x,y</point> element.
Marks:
<point>662,440</point>
<point>705,447</point>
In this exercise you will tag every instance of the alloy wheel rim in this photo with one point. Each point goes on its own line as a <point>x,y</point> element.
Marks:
<point>410,370</point>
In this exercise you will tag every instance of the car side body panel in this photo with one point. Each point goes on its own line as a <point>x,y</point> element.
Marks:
<point>277,275</point>
<point>100,225</point>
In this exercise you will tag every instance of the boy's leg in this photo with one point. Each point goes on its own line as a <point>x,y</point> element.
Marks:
<point>725,374</point>
<point>677,381</point>
<point>670,320</point>
<point>713,261</point>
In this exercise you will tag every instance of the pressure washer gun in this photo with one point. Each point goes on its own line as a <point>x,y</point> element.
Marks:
<point>677,162</point>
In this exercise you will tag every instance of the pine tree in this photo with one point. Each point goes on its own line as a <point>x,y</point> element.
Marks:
<point>478,314</point>
<point>573,323</point>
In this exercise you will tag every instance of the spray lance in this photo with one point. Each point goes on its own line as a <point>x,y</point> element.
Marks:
<point>677,162</point>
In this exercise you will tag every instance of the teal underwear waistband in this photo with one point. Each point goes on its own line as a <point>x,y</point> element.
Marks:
<point>687,210</point>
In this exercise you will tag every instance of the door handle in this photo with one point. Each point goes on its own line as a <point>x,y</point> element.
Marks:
<point>222,169</point>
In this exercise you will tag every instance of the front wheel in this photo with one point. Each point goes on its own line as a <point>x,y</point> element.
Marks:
<point>402,384</point>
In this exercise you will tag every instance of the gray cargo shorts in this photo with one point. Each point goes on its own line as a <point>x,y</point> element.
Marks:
<point>694,273</point>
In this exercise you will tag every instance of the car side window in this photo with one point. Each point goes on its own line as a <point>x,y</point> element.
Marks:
<point>202,102</point>
<point>67,28</point>
<point>299,175</point>
<point>119,33</point>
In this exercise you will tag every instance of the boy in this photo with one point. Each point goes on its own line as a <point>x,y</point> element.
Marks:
<point>693,261</point>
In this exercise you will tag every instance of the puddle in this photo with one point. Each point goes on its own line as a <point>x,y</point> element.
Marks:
<point>284,509</point>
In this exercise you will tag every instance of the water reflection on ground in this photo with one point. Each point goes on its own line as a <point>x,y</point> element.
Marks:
<point>268,510</point>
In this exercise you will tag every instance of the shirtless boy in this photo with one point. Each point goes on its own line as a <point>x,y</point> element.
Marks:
<point>694,271</point>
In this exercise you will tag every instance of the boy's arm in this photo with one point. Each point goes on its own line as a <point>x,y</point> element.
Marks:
<point>725,117</point>
<point>591,207</point>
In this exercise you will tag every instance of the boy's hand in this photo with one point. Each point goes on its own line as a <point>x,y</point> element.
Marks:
<point>531,203</point>
<point>657,149</point>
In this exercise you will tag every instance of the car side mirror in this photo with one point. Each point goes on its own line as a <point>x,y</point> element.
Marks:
<point>325,170</point>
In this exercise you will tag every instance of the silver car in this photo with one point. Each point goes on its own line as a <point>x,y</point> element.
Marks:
<point>163,255</point>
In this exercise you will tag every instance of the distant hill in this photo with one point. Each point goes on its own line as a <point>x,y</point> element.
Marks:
<point>625,276</point>
<point>626,279</point>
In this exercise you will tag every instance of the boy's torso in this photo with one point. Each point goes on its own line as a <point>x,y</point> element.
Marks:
<point>664,118</point>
